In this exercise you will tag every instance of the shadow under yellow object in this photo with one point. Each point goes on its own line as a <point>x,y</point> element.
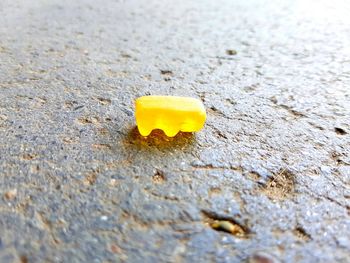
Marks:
<point>170,114</point>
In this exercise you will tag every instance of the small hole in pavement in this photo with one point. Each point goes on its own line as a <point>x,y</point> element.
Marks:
<point>158,177</point>
<point>340,131</point>
<point>231,52</point>
<point>225,224</point>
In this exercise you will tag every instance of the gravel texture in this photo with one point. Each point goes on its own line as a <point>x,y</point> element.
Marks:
<point>79,184</point>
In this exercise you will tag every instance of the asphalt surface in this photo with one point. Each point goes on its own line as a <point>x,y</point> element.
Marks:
<point>272,165</point>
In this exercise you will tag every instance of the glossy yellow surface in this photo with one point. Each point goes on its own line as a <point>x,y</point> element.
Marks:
<point>170,114</point>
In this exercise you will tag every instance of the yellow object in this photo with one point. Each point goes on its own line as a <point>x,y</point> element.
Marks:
<point>170,114</point>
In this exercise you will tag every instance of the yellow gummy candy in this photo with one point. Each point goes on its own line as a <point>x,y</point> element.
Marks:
<point>170,114</point>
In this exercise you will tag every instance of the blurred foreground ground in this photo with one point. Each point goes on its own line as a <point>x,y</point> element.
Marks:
<point>77,182</point>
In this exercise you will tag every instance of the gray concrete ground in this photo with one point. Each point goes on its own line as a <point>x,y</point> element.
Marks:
<point>77,182</point>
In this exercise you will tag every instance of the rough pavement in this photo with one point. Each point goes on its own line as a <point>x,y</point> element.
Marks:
<point>77,182</point>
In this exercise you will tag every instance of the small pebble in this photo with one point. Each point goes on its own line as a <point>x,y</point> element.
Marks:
<point>104,218</point>
<point>262,257</point>
<point>11,194</point>
<point>113,182</point>
<point>231,52</point>
<point>116,249</point>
